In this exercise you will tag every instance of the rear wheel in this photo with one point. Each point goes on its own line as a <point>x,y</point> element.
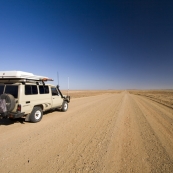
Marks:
<point>64,106</point>
<point>36,114</point>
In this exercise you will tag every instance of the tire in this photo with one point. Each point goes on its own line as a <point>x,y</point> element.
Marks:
<point>64,106</point>
<point>10,101</point>
<point>36,114</point>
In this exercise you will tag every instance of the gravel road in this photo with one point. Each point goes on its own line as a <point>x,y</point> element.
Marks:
<point>109,133</point>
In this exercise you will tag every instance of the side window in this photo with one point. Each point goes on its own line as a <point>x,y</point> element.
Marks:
<point>1,89</point>
<point>54,91</point>
<point>46,89</point>
<point>34,89</point>
<point>43,89</point>
<point>31,89</point>
<point>27,90</point>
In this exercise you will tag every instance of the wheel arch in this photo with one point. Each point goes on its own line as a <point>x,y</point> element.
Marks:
<point>40,105</point>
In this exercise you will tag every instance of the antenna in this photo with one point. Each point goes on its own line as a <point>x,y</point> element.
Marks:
<point>58,78</point>
<point>68,86</point>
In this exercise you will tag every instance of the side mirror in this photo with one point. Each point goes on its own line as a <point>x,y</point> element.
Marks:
<point>57,86</point>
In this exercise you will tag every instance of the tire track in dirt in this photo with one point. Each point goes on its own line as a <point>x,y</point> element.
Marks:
<point>95,139</point>
<point>125,152</point>
<point>47,146</point>
<point>159,155</point>
<point>160,120</point>
<point>107,134</point>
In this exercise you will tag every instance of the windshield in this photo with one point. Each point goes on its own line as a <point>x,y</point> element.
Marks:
<point>9,89</point>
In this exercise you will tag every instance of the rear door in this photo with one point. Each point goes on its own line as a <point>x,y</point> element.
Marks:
<point>29,97</point>
<point>56,98</point>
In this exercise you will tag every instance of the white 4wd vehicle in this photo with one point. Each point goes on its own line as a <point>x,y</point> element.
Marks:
<point>26,95</point>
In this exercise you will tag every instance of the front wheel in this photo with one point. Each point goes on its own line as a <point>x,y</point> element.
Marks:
<point>36,114</point>
<point>64,106</point>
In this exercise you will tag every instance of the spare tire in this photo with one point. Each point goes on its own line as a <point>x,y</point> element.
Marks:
<point>10,101</point>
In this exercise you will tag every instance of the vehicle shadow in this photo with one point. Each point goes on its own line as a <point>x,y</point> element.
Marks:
<point>51,110</point>
<point>8,121</point>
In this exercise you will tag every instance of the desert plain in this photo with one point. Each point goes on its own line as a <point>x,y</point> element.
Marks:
<point>102,132</point>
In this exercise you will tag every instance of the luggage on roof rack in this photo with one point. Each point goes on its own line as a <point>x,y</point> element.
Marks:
<point>22,76</point>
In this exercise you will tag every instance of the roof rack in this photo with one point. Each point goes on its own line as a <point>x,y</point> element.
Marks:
<point>21,76</point>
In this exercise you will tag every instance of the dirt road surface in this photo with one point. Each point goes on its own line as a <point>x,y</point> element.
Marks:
<point>109,133</point>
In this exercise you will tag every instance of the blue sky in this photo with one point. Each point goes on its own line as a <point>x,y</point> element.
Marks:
<point>119,44</point>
